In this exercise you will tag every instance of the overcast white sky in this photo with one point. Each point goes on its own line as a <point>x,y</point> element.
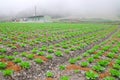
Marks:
<point>57,7</point>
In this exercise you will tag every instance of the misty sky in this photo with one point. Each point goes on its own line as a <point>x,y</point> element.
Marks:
<point>89,8</point>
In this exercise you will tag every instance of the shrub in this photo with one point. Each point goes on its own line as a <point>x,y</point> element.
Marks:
<point>62,67</point>
<point>84,64</point>
<point>51,47</point>
<point>90,60</point>
<point>58,53</point>
<point>50,51</point>
<point>49,56</point>
<point>72,49</point>
<point>91,51</point>
<point>31,43</point>
<point>67,51</point>
<point>65,46</point>
<point>64,78</point>
<point>38,61</point>
<point>100,53</point>
<point>115,50</point>
<point>30,56</point>
<point>78,47</point>
<point>3,50</point>
<point>109,78</point>
<point>49,74</point>
<point>23,45</point>
<point>24,54</point>
<point>25,65</point>
<point>98,68</point>
<point>15,53</point>
<point>13,47</point>
<point>116,66</point>
<point>115,73</point>
<point>2,65</point>
<point>105,48</point>
<point>7,72</point>
<point>85,54</point>
<point>2,56</point>
<point>90,75</point>
<point>117,61</point>
<point>76,71</point>
<point>72,60</point>
<point>10,57</point>
<point>34,50</point>
<point>18,60</point>
<point>41,53</point>
<point>96,56</point>
<point>57,45</point>
<point>103,63</point>
<point>79,58</point>
<point>43,48</point>
<point>111,55</point>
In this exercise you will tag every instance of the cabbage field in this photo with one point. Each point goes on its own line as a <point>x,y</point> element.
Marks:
<point>59,51</point>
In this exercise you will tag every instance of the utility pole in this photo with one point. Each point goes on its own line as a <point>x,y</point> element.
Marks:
<point>35,10</point>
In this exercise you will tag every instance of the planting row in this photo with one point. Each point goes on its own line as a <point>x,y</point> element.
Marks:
<point>39,51</point>
<point>102,62</point>
<point>21,37</point>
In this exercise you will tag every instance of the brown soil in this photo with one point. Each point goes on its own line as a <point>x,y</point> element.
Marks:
<point>95,52</point>
<point>15,38</point>
<point>103,75</point>
<point>3,60</point>
<point>100,49</point>
<point>75,67</point>
<point>97,60</point>
<point>41,57</point>
<point>7,42</point>
<point>10,63</point>
<point>105,54</point>
<point>14,68</point>
<point>111,64</point>
<point>116,39</point>
<point>49,79</point>
<point>85,58</point>
<point>17,45</point>
<point>116,56</point>
<point>0,40</point>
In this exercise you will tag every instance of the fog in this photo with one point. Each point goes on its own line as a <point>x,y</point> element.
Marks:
<point>66,8</point>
